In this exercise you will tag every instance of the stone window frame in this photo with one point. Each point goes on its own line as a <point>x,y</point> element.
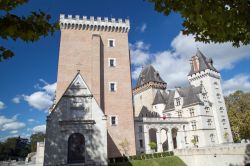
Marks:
<point>116,120</point>
<point>179,113</point>
<point>194,125</point>
<point>178,101</point>
<point>191,111</point>
<point>209,122</point>
<point>115,86</point>
<point>212,137</point>
<point>196,137</point>
<point>109,43</point>
<point>114,62</point>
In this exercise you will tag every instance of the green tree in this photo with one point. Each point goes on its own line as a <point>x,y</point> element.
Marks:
<point>152,145</point>
<point>14,148</point>
<point>26,28</point>
<point>238,105</point>
<point>34,138</point>
<point>211,21</point>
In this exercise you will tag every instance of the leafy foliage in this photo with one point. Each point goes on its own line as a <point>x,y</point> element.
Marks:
<point>152,145</point>
<point>211,21</point>
<point>26,28</point>
<point>34,138</point>
<point>238,105</point>
<point>14,148</point>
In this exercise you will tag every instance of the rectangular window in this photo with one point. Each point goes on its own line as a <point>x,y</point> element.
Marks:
<point>140,129</point>
<point>209,122</point>
<point>141,143</point>
<point>179,114</point>
<point>111,43</point>
<point>112,87</point>
<point>113,120</point>
<point>185,138</point>
<point>207,109</point>
<point>191,112</point>
<point>112,62</point>
<point>193,123</point>
<point>178,101</point>
<point>196,138</point>
<point>223,121</point>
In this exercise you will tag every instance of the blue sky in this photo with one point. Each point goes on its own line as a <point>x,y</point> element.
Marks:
<point>29,78</point>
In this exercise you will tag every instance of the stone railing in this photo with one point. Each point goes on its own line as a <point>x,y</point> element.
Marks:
<point>160,120</point>
<point>94,24</point>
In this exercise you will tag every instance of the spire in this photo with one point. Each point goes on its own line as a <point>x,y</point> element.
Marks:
<point>158,98</point>
<point>149,74</point>
<point>200,63</point>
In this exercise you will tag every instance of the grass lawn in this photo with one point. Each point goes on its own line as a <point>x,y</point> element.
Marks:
<point>166,161</point>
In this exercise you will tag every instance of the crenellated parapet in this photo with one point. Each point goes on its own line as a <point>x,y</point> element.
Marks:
<point>94,24</point>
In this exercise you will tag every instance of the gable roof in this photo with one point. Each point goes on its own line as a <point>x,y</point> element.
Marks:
<point>189,94</point>
<point>204,63</point>
<point>148,74</point>
<point>158,98</point>
<point>146,113</point>
<point>74,89</point>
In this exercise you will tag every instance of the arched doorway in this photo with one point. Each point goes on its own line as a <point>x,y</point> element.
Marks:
<point>153,137</point>
<point>164,139</point>
<point>174,137</point>
<point>76,148</point>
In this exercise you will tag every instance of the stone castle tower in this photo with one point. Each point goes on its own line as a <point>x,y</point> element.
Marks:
<point>98,49</point>
<point>203,72</point>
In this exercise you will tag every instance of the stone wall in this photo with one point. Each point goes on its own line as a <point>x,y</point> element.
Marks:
<point>223,155</point>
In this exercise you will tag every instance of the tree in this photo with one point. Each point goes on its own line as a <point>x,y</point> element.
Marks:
<point>152,145</point>
<point>211,21</point>
<point>14,148</point>
<point>34,138</point>
<point>238,106</point>
<point>125,146</point>
<point>194,141</point>
<point>26,28</point>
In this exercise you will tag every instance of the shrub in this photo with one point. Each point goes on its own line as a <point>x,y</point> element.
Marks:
<point>155,155</point>
<point>171,153</point>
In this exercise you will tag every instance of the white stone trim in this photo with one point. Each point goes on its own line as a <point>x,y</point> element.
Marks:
<point>114,62</point>
<point>116,120</point>
<point>94,24</point>
<point>110,86</point>
<point>113,42</point>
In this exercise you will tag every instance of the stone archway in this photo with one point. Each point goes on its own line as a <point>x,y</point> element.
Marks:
<point>164,139</point>
<point>76,148</point>
<point>174,137</point>
<point>153,136</point>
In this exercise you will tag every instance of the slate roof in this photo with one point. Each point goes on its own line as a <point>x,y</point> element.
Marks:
<point>158,98</point>
<point>170,100</point>
<point>148,74</point>
<point>204,63</point>
<point>189,95</point>
<point>146,113</point>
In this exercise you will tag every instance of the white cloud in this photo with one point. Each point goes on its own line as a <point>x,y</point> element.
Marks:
<point>238,82</point>
<point>39,100</point>
<point>16,99</point>
<point>43,98</point>
<point>143,27</point>
<point>13,132</point>
<point>31,120</point>
<point>40,128</point>
<point>2,105</point>
<point>173,64</point>
<point>139,53</point>
<point>10,123</point>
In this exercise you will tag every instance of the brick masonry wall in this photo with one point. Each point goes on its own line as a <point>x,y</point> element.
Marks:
<point>88,52</point>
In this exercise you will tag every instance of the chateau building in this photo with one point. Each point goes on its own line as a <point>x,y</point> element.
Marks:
<point>181,117</point>
<point>93,118</point>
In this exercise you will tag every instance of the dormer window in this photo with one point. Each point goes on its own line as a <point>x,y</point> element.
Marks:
<point>191,111</point>
<point>178,101</point>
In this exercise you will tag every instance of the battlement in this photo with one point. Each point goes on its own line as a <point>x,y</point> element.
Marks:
<point>94,24</point>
